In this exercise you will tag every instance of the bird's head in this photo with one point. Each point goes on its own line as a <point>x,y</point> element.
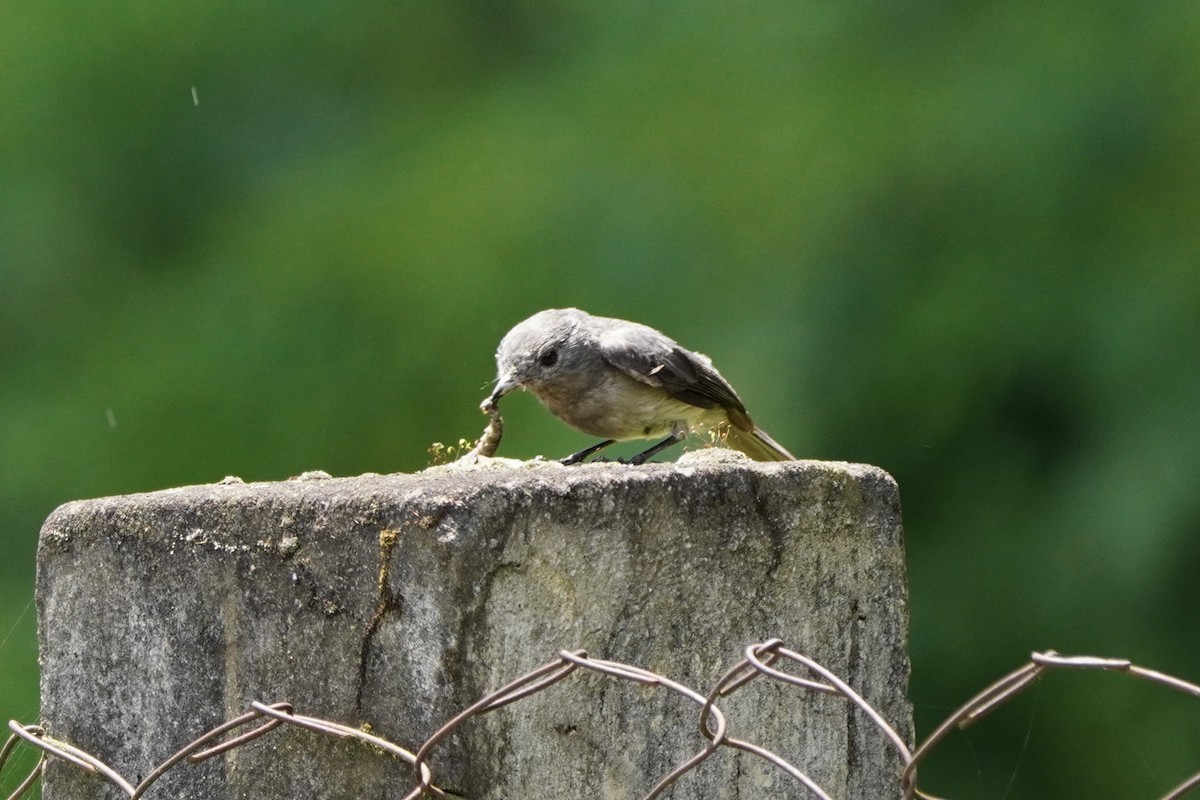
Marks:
<point>536,352</point>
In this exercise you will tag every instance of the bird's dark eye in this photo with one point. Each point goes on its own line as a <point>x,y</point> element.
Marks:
<point>548,358</point>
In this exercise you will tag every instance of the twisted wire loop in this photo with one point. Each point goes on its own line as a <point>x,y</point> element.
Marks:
<point>834,685</point>
<point>36,736</point>
<point>767,659</point>
<point>1017,681</point>
<point>6,751</point>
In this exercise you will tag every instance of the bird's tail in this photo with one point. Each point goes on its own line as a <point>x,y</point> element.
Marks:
<point>757,444</point>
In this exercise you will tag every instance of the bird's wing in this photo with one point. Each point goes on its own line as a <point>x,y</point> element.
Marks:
<point>646,355</point>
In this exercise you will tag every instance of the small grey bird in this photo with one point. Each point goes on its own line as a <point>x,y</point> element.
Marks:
<point>620,380</point>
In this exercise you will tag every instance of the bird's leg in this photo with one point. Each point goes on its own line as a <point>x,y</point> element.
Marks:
<point>675,438</point>
<point>575,458</point>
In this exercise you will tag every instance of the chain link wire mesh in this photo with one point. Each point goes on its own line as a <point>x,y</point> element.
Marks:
<point>770,660</point>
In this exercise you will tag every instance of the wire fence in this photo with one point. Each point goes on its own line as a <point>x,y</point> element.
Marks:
<point>769,660</point>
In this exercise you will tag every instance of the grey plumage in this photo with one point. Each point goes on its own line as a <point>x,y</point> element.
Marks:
<point>621,380</point>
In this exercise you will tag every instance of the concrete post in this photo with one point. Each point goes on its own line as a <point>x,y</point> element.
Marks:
<point>396,601</point>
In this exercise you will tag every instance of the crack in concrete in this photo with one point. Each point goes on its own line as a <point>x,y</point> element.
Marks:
<point>387,601</point>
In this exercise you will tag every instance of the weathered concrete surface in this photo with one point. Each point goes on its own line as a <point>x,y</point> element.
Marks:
<point>398,600</point>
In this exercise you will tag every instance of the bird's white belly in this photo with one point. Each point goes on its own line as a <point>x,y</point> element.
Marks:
<point>623,408</point>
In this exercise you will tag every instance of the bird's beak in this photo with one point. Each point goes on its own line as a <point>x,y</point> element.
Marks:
<point>504,385</point>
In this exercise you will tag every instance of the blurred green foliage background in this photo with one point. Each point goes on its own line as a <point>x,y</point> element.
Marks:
<point>958,241</point>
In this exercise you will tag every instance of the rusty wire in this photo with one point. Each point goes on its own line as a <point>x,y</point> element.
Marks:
<point>1021,679</point>
<point>760,660</point>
